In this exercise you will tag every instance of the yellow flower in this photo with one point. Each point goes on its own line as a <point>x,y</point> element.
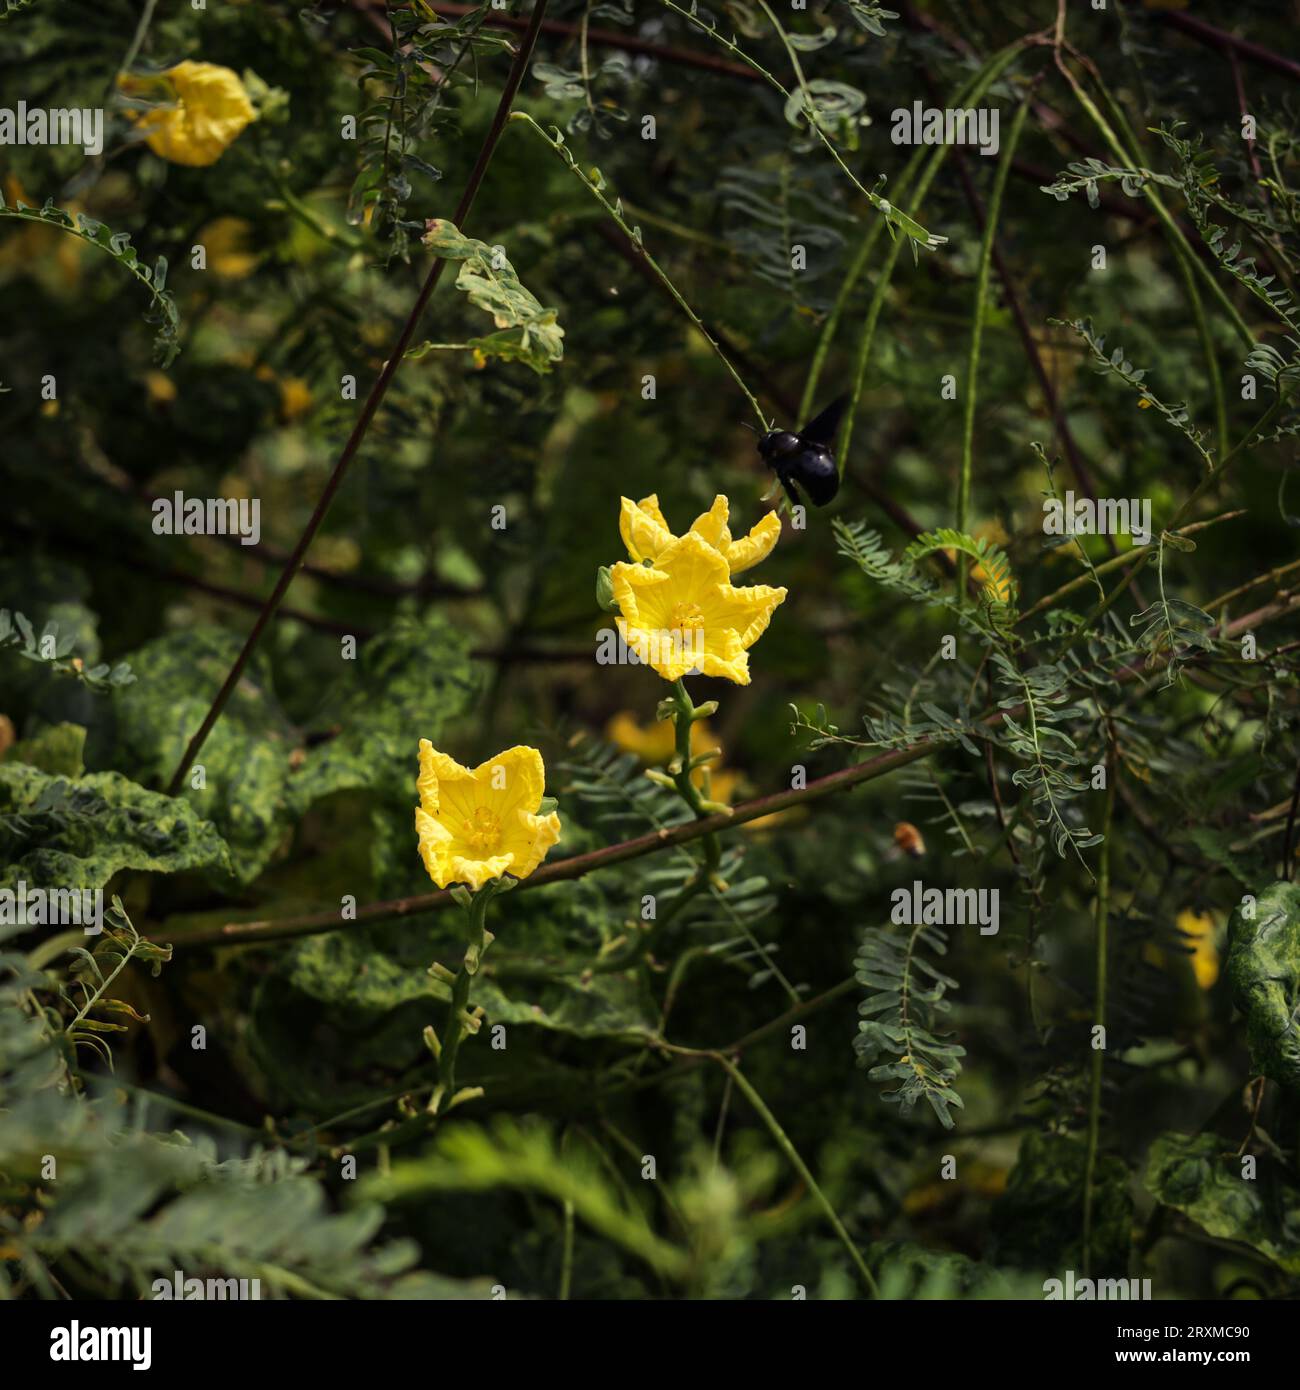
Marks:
<point>295,397</point>
<point>1199,926</point>
<point>160,387</point>
<point>475,826</point>
<point>208,109</point>
<point>683,614</point>
<point>646,533</point>
<point>227,246</point>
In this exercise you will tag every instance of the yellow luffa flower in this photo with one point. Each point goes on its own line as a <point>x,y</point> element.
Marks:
<point>208,108</point>
<point>682,614</point>
<point>477,825</point>
<point>646,533</point>
<point>227,242</point>
<point>1199,927</point>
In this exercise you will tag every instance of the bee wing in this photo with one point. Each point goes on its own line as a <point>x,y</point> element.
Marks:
<point>824,427</point>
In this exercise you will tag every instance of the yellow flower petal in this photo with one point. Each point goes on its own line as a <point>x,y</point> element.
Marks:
<point>712,525</point>
<point>642,527</point>
<point>647,535</point>
<point>745,553</point>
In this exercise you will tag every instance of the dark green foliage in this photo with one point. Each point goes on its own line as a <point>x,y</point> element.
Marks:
<point>1264,972</point>
<point>1196,1177</point>
<point>693,221</point>
<point>1038,1221</point>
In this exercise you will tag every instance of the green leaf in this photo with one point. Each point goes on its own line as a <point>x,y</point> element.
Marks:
<point>470,1158</point>
<point>1038,1220</point>
<point>1199,1177</point>
<point>56,832</point>
<point>530,333</point>
<point>58,750</point>
<point>405,686</point>
<point>244,765</point>
<point>1264,974</point>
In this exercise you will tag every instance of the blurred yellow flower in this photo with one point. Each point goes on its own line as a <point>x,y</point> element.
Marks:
<point>208,109</point>
<point>683,614</point>
<point>295,397</point>
<point>646,533</point>
<point>1199,927</point>
<point>999,590</point>
<point>160,387</point>
<point>477,825</point>
<point>227,247</point>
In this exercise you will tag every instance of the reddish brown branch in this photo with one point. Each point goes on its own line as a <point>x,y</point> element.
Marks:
<point>377,393</point>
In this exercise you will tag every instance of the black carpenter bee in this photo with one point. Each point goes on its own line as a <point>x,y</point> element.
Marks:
<point>806,458</point>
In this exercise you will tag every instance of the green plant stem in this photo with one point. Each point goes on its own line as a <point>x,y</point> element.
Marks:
<point>559,148</point>
<point>459,1022</point>
<point>1183,253</point>
<point>893,216</point>
<point>1207,482</point>
<point>792,1156</point>
<point>993,69</point>
<point>1099,1012</point>
<point>1126,557</point>
<point>976,337</point>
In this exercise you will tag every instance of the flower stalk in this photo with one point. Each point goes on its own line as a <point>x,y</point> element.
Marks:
<point>462,1021</point>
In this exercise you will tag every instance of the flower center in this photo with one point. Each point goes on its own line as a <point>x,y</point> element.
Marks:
<point>685,617</point>
<point>483,829</point>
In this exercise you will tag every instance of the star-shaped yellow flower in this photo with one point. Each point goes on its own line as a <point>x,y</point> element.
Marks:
<point>683,614</point>
<point>208,108</point>
<point>475,826</point>
<point>646,533</point>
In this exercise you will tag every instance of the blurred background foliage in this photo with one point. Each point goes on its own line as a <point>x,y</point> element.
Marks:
<point>230,380</point>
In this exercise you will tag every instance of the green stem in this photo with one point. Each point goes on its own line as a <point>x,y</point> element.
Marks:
<point>1179,516</point>
<point>459,1022</point>
<point>1098,1016</point>
<point>976,337</point>
<point>1182,253</point>
<point>992,71</point>
<point>895,217</point>
<point>796,1162</point>
<point>633,235</point>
